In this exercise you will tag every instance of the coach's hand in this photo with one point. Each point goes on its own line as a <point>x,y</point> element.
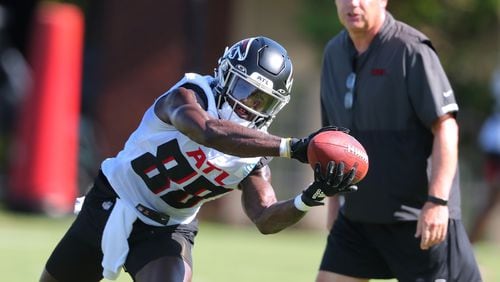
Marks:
<point>432,225</point>
<point>298,146</point>
<point>330,184</point>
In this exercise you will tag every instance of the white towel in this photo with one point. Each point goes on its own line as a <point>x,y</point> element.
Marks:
<point>114,239</point>
<point>78,204</point>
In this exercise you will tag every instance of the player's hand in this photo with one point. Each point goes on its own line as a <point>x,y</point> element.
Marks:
<point>334,182</point>
<point>298,146</point>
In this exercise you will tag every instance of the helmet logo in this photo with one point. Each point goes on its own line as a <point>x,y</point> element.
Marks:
<point>240,50</point>
<point>262,80</point>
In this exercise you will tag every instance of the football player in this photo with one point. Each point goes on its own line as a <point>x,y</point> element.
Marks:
<point>203,138</point>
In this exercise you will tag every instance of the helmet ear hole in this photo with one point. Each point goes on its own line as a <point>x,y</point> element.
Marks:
<point>224,66</point>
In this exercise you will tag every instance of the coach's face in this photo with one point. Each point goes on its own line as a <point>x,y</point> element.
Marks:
<point>361,16</point>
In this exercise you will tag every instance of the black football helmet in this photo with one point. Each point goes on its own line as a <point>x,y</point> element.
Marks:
<point>253,80</point>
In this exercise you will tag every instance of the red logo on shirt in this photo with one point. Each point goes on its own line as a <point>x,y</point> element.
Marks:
<point>378,72</point>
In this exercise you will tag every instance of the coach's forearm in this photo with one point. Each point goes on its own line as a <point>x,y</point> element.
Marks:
<point>444,157</point>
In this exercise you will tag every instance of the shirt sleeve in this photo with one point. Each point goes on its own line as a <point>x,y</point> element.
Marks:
<point>326,82</point>
<point>428,86</point>
<point>325,73</point>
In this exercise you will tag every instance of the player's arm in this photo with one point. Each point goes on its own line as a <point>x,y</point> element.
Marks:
<point>185,110</point>
<point>261,206</point>
<point>271,216</point>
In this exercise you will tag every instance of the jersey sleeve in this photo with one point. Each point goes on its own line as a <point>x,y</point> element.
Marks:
<point>428,86</point>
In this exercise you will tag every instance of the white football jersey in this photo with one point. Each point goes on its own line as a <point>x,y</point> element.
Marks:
<point>164,170</point>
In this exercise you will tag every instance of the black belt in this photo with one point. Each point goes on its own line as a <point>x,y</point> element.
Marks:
<point>155,216</point>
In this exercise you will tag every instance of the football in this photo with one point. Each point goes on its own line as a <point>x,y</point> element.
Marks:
<point>338,146</point>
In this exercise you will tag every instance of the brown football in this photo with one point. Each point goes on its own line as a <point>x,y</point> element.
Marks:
<point>338,146</point>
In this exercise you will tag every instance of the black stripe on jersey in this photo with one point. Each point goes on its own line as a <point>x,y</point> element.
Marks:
<point>199,92</point>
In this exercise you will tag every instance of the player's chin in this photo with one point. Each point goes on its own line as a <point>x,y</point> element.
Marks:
<point>246,116</point>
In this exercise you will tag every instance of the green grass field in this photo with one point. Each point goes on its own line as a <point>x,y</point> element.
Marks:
<point>222,253</point>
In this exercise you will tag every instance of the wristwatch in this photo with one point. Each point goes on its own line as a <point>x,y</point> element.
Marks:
<point>437,201</point>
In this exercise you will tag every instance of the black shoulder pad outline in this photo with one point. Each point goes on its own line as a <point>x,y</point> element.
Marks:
<point>429,43</point>
<point>199,91</point>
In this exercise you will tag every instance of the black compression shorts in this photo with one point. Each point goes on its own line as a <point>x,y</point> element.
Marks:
<point>384,251</point>
<point>78,255</point>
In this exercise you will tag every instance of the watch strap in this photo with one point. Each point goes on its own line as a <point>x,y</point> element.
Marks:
<point>437,201</point>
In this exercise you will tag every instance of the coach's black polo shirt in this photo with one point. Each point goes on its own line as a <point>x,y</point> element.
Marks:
<point>400,89</point>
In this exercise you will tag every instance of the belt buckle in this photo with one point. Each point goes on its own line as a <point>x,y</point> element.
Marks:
<point>153,215</point>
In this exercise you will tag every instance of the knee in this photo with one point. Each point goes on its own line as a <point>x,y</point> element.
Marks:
<point>47,277</point>
<point>165,269</point>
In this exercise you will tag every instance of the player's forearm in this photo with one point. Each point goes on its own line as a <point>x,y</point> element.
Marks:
<point>277,217</point>
<point>182,111</point>
<point>239,141</point>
